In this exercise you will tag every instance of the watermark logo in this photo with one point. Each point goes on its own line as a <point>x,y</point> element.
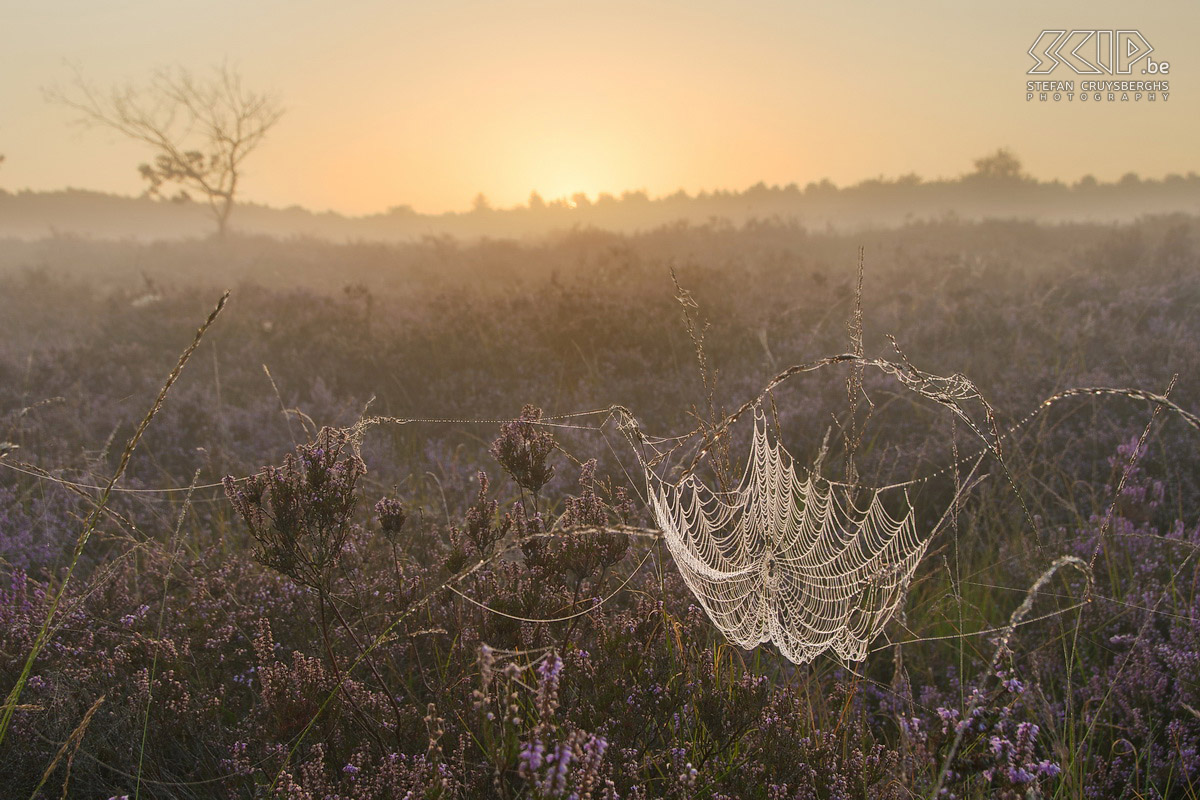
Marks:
<point>1094,52</point>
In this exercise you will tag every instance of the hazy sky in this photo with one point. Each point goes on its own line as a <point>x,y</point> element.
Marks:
<point>427,103</point>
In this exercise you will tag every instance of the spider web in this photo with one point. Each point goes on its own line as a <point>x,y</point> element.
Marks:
<point>802,562</point>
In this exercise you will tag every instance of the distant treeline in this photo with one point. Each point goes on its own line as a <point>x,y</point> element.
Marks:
<point>997,188</point>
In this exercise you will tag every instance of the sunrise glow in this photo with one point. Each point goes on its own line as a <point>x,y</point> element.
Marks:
<point>429,105</point>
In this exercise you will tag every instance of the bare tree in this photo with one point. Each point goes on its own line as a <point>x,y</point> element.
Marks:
<point>201,129</point>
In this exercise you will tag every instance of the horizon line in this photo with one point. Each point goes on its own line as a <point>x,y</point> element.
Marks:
<point>565,202</point>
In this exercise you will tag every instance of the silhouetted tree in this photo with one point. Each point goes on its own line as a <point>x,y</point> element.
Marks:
<point>201,129</point>
<point>1001,165</point>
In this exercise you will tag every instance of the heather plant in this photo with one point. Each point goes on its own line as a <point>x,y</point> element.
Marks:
<point>481,528</point>
<point>590,547</point>
<point>392,516</point>
<point>28,522</point>
<point>93,519</point>
<point>300,512</point>
<point>587,545</point>
<point>1143,681</point>
<point>530,752</point>
<point>523,450</point>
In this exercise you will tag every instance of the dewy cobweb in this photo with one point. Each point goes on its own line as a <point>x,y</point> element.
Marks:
<point>802,562</point>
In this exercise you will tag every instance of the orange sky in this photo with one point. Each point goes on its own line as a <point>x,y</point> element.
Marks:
<point>427,104</point>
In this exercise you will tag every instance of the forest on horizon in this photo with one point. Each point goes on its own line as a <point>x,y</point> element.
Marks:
<point>996,187</point>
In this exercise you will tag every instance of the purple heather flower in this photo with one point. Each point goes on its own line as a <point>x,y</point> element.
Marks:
<point>531,758</point>
<point>1020,775</point>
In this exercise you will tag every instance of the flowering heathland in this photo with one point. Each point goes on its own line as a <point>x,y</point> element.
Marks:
<point>481,610</point>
